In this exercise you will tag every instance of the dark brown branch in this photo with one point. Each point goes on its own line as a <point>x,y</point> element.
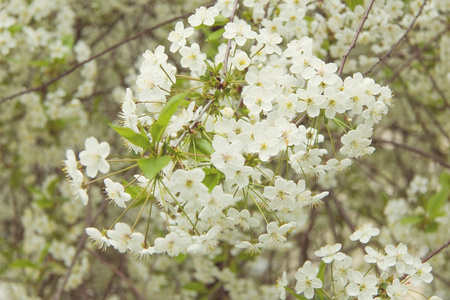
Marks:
<point>227,52</point>
<point>117,272</point>
<point>64,74</point>
<point>436,252</point>
<point>387,54</point>
<point>415,150</point>
<point>416,55</point>
<point>355,38</point>
<point>80,246</point>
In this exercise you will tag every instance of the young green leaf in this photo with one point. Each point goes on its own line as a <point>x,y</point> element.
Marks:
<point>138,139</point>
<point>151,166</point>
<point>166,113</point>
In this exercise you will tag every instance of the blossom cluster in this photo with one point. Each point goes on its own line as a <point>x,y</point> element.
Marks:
<point>238,125</point>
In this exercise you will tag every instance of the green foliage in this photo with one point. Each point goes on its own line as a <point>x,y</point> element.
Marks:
<point>151,166</point>
<point>204,146</point>
<point>139,139</point>
<point>352,4</point>
<point>167,112</point>
<point>212,178</point>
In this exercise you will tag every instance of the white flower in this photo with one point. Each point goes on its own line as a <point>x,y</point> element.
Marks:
<point>122,239</point>
<point>400,254</point>
<point>280,195</point>
<point>101,241</point>
<point>203,16</point>
<point>179,35</point>
<point>270,40</point>
<point>76,185</point>
<point>205,243</point>
<point>363,286</point>
<point>356,142</point>
<point>192,57</point>
<point>94,157</point>
<point>422,272</point>
<point>173,244</point>
<point>330,253</point>
<point>306,280</point>
<point>240,31</point>
<point>242,219</point>
<point>250,249</point>
<point>275,235</point>
<point>397,290</point>
<point>310,100</point>
<point>382,261</point>
<point>281,284</point>
<point>71,165</point>
<point>227,156</point>
<point>241,60</point>
<point>116,192</point>
<point>364,233</point>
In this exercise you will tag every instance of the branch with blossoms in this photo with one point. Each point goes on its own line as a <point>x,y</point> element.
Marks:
<point>219,158</point>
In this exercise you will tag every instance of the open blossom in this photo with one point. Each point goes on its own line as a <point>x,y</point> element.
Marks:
<point>364,233</point>
<point>203,15</point>
<point>363,286</point>
<point>94,157</point>
<point>179,35</point>
<point>240,31</point>
<point>121,237</point>
<point>116,192</point>
<point>330,253</point>
<point>306,280</point>
<point>101,241</point>
<point>275,235</point>
<point>356,142</point>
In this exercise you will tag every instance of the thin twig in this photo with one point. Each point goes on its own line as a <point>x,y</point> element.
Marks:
<point>415,150</point>
<point>194,123</point>
<point>355,38</point>
<point>227,52</point>
<point>64,74</point>
<point>80,246</point>
<point>436,252</point>
<point>430,76</point>
<point>416,55</point>
<point>387,54</point>
<point>117,272</point>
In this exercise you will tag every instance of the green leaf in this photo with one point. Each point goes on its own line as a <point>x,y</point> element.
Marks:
<point>220,20</point>
<point>438,200</point>
<point>204,146</point>
<point>39,63</point>
<point>195,286</point>
<point>290,291</point>
<point>354,3</point>
<point>15,28</point>
<point>68,41</point>
<point>136,192</point>
<point>321,276</point>
<point>52,186</point>
<point>180,258</point>
<point>211,180</point>
<point>139,139</point>
<point>23,263</point>
<point>44,203</point>
<point>166,113</point>
<point>216,35</point>
<point>152,166</point>
<point>432,227</point>
<point>412,220</point>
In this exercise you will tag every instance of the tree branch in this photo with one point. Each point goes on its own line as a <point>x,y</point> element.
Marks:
<point>64,74</point>
<point>355,38</point>
<point>387,54</point>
